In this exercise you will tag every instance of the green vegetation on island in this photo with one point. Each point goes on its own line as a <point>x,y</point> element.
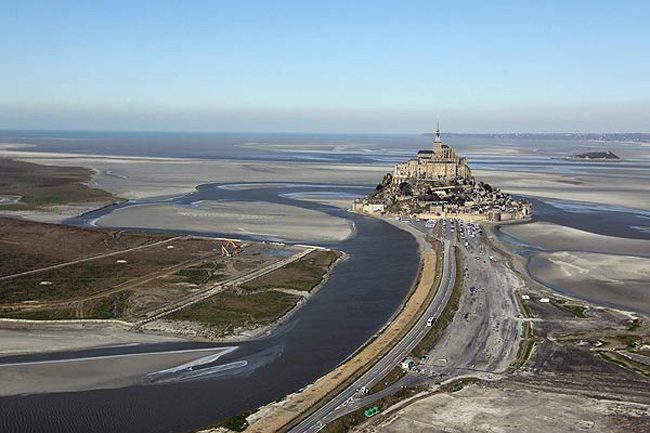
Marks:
<point>304,274</point>
<point>261,301</point>
<point>228,310</point>
<point>40,186</point>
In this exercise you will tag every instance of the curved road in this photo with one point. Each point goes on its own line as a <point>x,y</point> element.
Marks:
<point>339,404</point>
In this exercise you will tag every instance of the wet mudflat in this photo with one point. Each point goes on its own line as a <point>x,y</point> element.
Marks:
<point>358,298</point>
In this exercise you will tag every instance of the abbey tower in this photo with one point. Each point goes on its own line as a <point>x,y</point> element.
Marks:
<point>441,165</point>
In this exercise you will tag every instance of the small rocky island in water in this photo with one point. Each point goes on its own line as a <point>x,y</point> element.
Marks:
<point>596,156</point>
<point>439,184</point>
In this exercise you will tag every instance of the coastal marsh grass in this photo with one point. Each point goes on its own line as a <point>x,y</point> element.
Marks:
<point>634,324</point>
<point>29,245</point>
<point>40,185</point>
<point>625,362</point>
<point>229,310</point>
<point>347,422</point>
<point>45,314</point>
<point>109,307</point>
<point>92,277</point>
<point>66,282</point>
<point>526,346</point>
<point>304,274</point>
<point>193,275</point>
<point>579,311</point>
<point>237,423</point>
<point>392,377</point>
<point>201,274</point>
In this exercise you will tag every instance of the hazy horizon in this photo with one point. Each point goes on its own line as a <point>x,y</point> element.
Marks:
<point>368,67</point>
<point>432,132</point>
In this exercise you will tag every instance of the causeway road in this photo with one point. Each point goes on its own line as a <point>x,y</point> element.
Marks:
<point>338,404</point>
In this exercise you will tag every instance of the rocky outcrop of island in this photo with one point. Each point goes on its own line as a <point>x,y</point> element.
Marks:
<point>607,155</point>
<point>439,184</point>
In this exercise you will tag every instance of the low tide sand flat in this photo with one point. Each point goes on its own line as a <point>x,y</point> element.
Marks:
<point>551,236</point>
<point>141,177</point>
<point>239,218</point>
<point>621,191</point>
<point>608,279</point>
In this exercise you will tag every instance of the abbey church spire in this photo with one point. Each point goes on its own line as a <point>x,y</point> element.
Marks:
<point>437,143</point>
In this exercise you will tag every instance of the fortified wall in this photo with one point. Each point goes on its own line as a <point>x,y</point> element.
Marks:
<point>439,184</point>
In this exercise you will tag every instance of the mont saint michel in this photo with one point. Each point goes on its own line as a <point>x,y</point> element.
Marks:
<point>437,184</point>
<point>222,217</point>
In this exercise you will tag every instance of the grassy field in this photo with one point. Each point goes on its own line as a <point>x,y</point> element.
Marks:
<point>303,274</point>
<point>203,273</point>
<point>48,314</point>
<point>579,311</point>
<point>100,274</point>
<point>229,310</point>
<point>74,273</point>
<point>109,307</point>
<point>28,245</point>
<point>41,185</point>
<point>259,302</point>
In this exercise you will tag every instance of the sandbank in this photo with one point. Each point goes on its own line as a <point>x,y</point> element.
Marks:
<point>92,373</point>
<point>551,236</point>
<point>265,219</point>
<point>144,177</point>
<point>619,190</point>
<point>616,280</point>
<point>56,339</point>
<point>136,178</point>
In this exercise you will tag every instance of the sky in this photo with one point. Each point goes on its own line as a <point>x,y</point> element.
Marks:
<point>326,66</point>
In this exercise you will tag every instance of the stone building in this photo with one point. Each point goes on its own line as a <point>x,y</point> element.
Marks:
<point>441,164</point>
<point>439,184</point>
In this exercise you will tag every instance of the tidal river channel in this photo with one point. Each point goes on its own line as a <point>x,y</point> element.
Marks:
<point>360,296</point>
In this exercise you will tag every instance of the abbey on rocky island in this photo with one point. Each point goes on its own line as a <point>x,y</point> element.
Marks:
<point>439,184</point>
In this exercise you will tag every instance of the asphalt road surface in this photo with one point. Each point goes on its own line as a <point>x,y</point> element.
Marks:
<point>481,341</point>
<point>345,400</point>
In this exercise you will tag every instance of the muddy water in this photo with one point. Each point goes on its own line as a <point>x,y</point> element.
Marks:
<point>360,296</point>
<point>593,218</point>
